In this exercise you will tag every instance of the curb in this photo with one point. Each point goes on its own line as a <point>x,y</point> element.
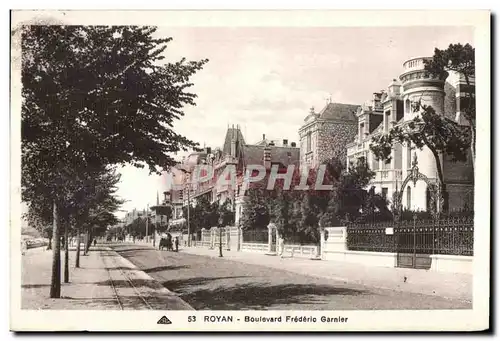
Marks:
<point>157,286</point>
<point>397,287</point>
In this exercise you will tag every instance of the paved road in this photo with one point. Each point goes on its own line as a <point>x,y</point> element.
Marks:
<point>219,284</point>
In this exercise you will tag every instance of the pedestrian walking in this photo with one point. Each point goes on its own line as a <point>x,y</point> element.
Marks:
<point>176,244</point>
<point>95,242</point>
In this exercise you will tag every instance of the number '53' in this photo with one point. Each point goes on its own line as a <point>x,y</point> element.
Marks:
<point>191,318</point>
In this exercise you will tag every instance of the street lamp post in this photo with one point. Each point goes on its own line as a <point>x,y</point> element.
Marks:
<point>188,204</point>
<point>220,237</point>
<point>188,219</point>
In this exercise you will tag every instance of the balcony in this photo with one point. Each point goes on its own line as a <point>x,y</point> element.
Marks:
<point>357,147</point>
<point>414,64</point>
<point>388,175</point>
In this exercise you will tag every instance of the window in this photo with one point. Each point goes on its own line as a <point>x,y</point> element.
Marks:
<point>374,163</point>
<point>387,163</point>
<point>386,120</point>
<point>361,131</point>
<point>308,142</point>
<point>408,197</point>
<point>407,106</point>
<point>384,192</point>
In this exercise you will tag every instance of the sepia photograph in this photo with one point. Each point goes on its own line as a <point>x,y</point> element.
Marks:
<point>250,170</point>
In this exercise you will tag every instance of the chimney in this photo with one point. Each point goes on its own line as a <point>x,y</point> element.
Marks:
<point>394,87</point>
<point>285,143</point>
<point>267,157</point>
<point>233,148</point>
<point>263,136</point>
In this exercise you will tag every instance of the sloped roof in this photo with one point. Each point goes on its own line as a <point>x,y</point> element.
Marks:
<point>285,156</point>
<point>339,111</point>
<point>238,136</point>
<point>254,154</point>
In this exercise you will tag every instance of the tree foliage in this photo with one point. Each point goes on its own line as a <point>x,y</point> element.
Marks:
<point>436,132</point>
<point>300,214</point>
<point>460,59</point>
<point>165,214</point>
<point>137,228</point>
<point>105,93</point>
<point>225,213</point>
<point>95,96</point>
<point>255,211</point>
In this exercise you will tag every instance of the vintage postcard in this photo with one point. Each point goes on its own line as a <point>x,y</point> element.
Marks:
<point>250,170</point>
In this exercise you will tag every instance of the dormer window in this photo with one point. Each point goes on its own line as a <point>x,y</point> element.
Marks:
<point>361,131</point>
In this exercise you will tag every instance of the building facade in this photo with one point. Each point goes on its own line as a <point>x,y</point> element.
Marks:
<point>227,161</point>
<point>325,135</point>
<point>395,107</point>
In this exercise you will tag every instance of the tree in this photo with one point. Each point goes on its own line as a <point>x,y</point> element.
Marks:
<point>350,199</point>
<point>255,214</point>
<point>116,232</point>
<point>162,225</point>
<point>438,133</point>
<point>40,217</point>
<point>441,135</point>
<point>225,213</point>
<point>460,59</point>
<point>137,228</point>
<point>93,96</point>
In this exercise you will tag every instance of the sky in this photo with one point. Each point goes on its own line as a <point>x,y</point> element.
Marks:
<point>267,79</point>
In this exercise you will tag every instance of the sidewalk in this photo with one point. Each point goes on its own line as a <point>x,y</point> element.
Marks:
<point>455,286</point>
<point>104,281</point>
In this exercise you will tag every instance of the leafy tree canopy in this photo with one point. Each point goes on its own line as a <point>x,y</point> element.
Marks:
<point>102,95</point>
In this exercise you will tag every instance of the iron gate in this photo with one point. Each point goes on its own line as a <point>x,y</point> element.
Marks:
<point>414,246</point>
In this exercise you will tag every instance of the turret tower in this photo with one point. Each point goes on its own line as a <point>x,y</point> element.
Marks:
<point>419,86</point>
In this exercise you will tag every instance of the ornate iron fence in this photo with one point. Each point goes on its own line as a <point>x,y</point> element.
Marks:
<point>450,236</point>
<point>255,236</point>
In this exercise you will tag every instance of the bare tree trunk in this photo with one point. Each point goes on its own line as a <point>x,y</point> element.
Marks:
<point>441,178</point>
<point>85,240</point>
<point>55,284</point>
<point>89,242</point>
<point>78,241</point>
<point>66,255</point>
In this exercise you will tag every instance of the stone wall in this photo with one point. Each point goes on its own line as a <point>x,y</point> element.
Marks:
<point>301,251</point>
<point>333,139</point>
<point>254,247</point>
